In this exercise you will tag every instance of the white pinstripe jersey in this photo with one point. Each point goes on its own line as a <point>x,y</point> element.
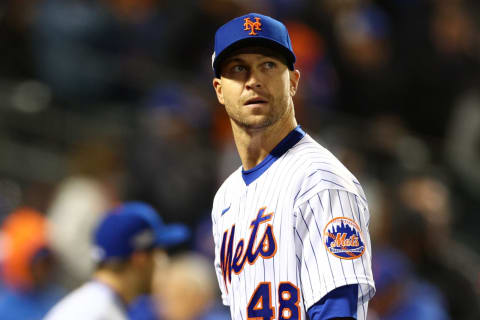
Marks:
<point>291,234</point>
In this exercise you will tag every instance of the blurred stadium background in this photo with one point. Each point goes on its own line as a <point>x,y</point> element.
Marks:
<point>103,101</point>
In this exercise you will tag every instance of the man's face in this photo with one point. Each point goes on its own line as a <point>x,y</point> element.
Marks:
<point>256,87</point>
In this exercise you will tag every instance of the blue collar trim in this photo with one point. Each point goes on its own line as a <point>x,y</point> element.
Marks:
<point>289,141</point>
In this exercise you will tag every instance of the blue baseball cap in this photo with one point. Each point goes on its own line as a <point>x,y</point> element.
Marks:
<point>134,226</point>
<point>252,29</point>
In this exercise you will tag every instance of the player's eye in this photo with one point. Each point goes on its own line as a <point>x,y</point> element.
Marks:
<point>269,65</point>
<point>237,68</point>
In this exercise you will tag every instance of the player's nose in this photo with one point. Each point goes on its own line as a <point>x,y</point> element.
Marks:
<point>253,80</point>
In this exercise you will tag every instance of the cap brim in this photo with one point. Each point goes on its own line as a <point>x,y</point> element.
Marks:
<point>259,41</point>
<point>172,234</point>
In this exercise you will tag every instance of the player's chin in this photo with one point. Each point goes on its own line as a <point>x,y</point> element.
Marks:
<point>256,123</point>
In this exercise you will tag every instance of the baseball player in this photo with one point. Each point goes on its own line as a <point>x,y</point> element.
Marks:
<point>126,242</point>
<point>290,225</point>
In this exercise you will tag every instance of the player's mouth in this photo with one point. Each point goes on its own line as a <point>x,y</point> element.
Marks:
<point>255,102</point>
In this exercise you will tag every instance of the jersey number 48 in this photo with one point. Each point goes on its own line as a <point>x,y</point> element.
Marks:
<point>260,305</point>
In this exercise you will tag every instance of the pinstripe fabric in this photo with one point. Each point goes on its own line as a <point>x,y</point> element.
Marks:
<point>304,190</point>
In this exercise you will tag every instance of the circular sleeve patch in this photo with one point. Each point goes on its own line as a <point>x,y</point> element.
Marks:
<point>343,238</point>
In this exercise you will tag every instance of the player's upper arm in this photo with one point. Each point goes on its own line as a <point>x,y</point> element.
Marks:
<point>332,236</point>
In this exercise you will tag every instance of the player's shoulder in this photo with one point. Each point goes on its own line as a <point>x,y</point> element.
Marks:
<point>309,148</point>
<point>321,170</point>
<point>73,305</point>
<point>68,306</point>
<point>311,157</point>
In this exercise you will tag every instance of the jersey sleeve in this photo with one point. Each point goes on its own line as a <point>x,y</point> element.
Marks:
<point>333,246</point>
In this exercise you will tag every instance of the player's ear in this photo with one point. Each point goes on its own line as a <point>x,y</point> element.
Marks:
<point>294,78</point>
<point>217,85</point>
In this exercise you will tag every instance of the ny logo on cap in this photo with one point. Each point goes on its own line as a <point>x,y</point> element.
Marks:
<point>252,26</point>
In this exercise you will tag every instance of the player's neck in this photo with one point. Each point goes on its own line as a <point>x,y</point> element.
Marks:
<point>118,285</point>
<point>254,145</point>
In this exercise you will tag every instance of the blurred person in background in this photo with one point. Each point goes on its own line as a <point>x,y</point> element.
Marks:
<point>370,80</point>
<point>462,152</point>
<point>27,265</point>
<point>417,220</point>
<point>129,241</point>
<point>74,211</point>
<point>94,184</point>
<point>401,294</point>
<point>444,66</point>
<point>424,228</point>
<point>100,51</point>
<point>187,290</point>
<point>72,49</point>
<point>169,146</point>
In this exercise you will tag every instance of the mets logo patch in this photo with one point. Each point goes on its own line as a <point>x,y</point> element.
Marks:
<point>343,238</point>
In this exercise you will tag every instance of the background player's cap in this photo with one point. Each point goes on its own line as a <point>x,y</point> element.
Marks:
<point>131,227</point>
<point>251,29</point>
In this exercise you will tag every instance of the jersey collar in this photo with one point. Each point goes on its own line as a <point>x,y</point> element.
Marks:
<point>283,146</point>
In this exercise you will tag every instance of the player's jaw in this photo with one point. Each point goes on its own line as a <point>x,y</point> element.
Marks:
<point>257,113</point>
